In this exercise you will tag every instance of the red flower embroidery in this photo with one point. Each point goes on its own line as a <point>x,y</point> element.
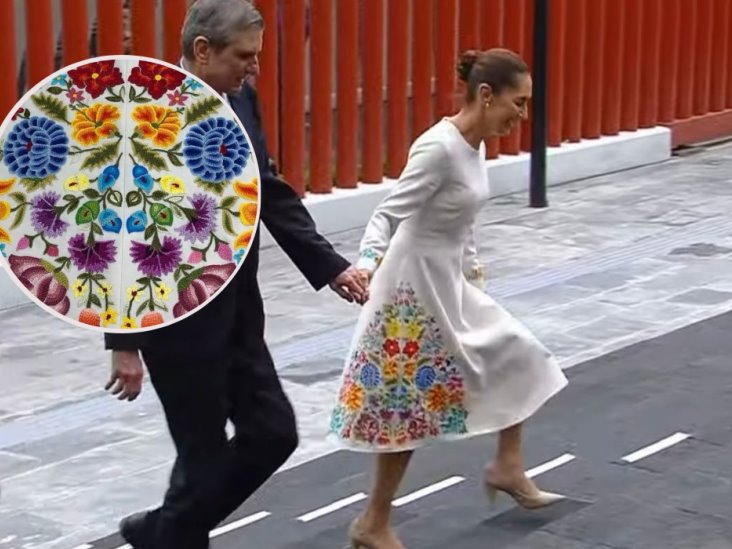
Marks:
<point>391,346</point>
<point>156,78</point>
<point>411,348</point>
<point>95,78</point>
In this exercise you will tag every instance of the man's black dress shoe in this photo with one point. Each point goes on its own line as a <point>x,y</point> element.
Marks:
<point>135,531</point>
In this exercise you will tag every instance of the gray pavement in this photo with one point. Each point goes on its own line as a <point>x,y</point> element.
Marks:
<point>613,261</point>
<point>597,443</point>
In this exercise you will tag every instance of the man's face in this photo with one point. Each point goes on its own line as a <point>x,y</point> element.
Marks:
<point>227,69</point>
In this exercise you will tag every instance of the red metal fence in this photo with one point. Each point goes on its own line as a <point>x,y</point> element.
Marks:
<point>347,84</point>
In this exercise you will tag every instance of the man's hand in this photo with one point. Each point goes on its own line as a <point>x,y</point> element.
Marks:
<point>351,286</point>
<point>127,373</point>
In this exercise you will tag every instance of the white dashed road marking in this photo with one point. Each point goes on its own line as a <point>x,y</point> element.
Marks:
<point>656,447</point>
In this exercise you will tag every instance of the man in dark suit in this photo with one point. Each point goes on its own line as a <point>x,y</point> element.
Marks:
<point>215,366</point>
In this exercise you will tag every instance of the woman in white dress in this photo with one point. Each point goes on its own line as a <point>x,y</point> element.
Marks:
<point>433,357</point>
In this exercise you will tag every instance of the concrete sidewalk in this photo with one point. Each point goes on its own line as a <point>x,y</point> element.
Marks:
<point>614,260</point>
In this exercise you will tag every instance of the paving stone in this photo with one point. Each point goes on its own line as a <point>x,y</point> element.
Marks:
<point>703,296</point>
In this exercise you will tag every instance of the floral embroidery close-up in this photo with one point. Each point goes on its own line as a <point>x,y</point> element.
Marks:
<point>401,385</point>
<point>129,194</point>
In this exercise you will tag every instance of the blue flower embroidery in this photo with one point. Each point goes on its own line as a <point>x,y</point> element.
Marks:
<point>2,249</point>
<point>425,377</point>
<point>60,80</point>
<point>216,150</point>
<point>143,179</point>
<point>110,221</point>
<point>108,178</point>
<point>193,85</point>
<point>370,376</point>
<point>36,148</point>
<point>137,222</point>
<point>238,255</point>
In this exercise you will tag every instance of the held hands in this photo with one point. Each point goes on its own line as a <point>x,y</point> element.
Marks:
<point>351,285</point>
<point>127,372</point>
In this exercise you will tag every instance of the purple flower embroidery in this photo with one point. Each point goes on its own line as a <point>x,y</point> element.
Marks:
<point>91,259</point>
<point>156,262</point>
<point>201,226</point>
<point>45,218</point>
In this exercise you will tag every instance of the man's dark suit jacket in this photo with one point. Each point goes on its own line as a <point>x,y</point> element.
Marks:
<point>234,317</point>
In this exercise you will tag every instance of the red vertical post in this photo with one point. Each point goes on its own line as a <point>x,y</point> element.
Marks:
<point>729,70</point>
<point>268,84</point>
<point>703,66</point>
<point>574,70</point>
<point>348,70</point>
<point>555,70</point>
<point>39,41</point>
<point>144,30</point>
<point>594,40</point>
<point>631,76</point>
<point>491,18</point>
<point>109,27</point>
<point>8,68</point>
<point>74,25</point>
<point>373,84</point>
<point>469,34</point>
<point>574,74</point>
<point>398,39</point>
<point>293,85</point>
<point>321,90</point>
<point>174,15</point>
<point>721,57</point>
<point>687,58</point>
<point>528,54</point>
<point>513,34</point>
<point>445,49</point>
<point>422,68</point>
<point>613,66</point>
<point>651,61</point>
<point>671,21</point>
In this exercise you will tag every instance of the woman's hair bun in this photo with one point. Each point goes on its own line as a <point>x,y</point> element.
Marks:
<point>465,64</point>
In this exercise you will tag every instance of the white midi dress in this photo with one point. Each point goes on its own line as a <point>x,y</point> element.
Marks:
<point>433,357</point>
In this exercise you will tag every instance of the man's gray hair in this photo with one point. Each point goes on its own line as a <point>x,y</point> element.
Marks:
<point>219,21</point>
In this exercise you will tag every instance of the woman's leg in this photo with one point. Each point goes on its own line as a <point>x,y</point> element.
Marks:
<point>507,472</point>
<point>373,528</point>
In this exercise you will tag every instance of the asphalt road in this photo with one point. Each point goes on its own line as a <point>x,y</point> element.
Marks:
<point>640,442</point>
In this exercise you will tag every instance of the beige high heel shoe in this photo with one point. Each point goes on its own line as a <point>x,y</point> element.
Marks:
<point>527,501</point>
<point>357,538</point>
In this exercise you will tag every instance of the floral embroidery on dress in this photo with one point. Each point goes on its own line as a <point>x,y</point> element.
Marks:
<point>401,385</point>
<point>128,195</point>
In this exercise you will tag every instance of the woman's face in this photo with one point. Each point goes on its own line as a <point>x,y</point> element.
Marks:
<point>504,112</point>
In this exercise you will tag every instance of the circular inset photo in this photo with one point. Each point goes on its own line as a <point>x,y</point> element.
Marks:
<point>129,194</point>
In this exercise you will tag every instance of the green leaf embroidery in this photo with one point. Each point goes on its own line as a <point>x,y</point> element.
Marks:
<point>175,160</point>
<point>87,213</point>
<point>95,301</point>
<point>91,193</point>
<point>101,156</point>
<point>228,226</point>
<point>184,282</point>
<point>216,188</point>
<point>133,198</point>
<point>141,308</point>
<point>18,219</point>
<point>159,195</point>
<point>162,214</point>
<point>55,90</point>
<point>61,279</point>
<point>115,198</point>
<point>201,109</point>
<point>18,197</point>
<point>52,106</point>
<point>33,185</point>
<point>147,156</point>
<point>228,202</point>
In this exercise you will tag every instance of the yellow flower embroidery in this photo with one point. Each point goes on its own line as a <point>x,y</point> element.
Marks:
<point>172,184</point>
<point>242,241</point>
<point>134,293</point>
<point>163,292</point>
<point>157,123</point>
<point>109,317</point>
<point>248,213</point>
<point>4,209</point>
<point>129,323</point>
<point>248,191</point>
<point>391,370</point>
<point>105,289</point>
<point>4,236</point>
<point>78,182</point>
<point>79,288</point>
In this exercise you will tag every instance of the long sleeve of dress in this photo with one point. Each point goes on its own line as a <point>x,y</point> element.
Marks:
<point>420,178</point>
<point>473,268</point>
